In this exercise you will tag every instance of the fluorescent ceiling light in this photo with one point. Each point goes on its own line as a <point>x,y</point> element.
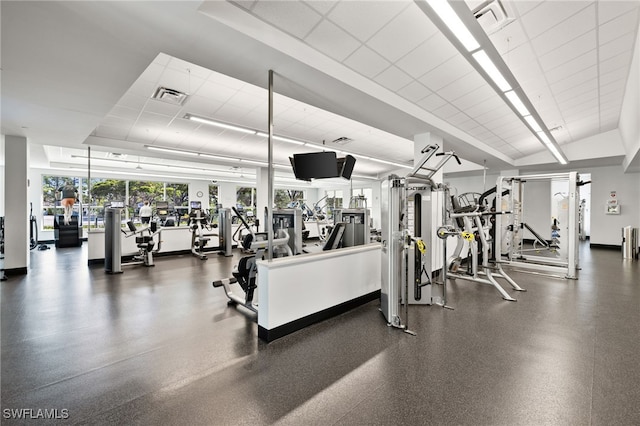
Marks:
<point>210,122</point>
<point>557,154</point>
<point>257,163</point>
<point>517,103</point>
<point>172,151</point>
<point>455,24</point>
<point>215,157</point>
<point>293,141</point>
<point>492,71</point>
<point>533,123</point>
<point>544,138</point>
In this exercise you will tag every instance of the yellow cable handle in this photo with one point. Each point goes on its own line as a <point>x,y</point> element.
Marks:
<point>468,236</point>
<point>421,246</point>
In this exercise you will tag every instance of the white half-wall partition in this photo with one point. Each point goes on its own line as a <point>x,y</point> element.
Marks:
<point>295,292</point>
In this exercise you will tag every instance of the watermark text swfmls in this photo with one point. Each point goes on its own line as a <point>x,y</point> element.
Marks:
<point>35,413</point>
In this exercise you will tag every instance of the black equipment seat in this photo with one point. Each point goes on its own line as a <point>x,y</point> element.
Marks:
<point>144,242</point>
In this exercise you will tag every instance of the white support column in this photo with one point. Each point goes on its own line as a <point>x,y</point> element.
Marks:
<point>262,194</point>
<point>16,186</point>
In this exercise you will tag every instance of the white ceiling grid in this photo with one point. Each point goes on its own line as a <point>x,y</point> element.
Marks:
<point>553,48</point>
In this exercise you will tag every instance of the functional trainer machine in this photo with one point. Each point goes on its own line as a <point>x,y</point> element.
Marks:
<point>408,208</point>
<point>201,234</point>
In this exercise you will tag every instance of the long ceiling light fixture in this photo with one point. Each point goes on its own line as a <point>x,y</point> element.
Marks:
<point>211,122</point>
<point>457,23</point>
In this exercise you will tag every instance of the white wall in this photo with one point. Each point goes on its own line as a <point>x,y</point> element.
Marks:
<point>629,124</point>
<point>537,208</point>
<point>606,229</point>
<point>1,190</point>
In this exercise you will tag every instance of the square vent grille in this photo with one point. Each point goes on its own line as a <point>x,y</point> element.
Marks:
<point>170,96</point>
<point>343,140</point>
<point>493,15</point>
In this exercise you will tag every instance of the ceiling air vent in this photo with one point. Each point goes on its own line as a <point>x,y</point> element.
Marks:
<point>493,15</point>
<point>343,140</point>
<point>170,96</point>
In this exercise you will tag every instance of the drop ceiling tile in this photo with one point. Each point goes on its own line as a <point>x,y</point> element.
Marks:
<point>586,97</point>
<point>519,57</point>
<point>622,60</point>
<point>230,113</point>
<point>200,105</point>
<point>321,6</point>
<point>446,73</point>
<point>432,102</point>
<point>246,100</point>
<point>393,78</point>
<point>575,80</point>
<point>617,46</point>
<point>153,119</point>
<point>163,108</point>
<point>619,75</point>
<point>143,134</point>
<point>509,38</point>
<point>153,72</point>
<point>549,14</point>
<point>162,59</point>
<point>124,112</point>
<point>179,80</point>
<point>332,40</point>
<point>446,111</point>
<point>608,10</point>
<point>183,125</point>
<point>627,23</point>
<point>189,69</point>
<point>612,96</point>
<point>414,91</point>
<point>574,66</point>
<point>366,62</point>
<point>458,119</point>
<point>462,86</point>
<point>523,7</point>
<point>427,56</point>
<point>295,18</point>
<point>129,100</point>
<point>588,86</point>
<point>215,91</point>
<point>403,34</point>
<point>363,19</point>
<point>481,108</point>
<point>170,138</point>
<point>571,28</point>
<point>474,97</point>
<point>569,51</point>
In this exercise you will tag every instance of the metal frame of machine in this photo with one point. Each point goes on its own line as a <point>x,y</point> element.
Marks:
<point>405,265</point>
<point>508,225</point>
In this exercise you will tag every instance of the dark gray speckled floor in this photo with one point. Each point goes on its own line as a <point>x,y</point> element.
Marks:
<point>160,346</point>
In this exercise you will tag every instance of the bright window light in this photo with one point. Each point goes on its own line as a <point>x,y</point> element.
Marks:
<point>455,24</point>
<point>218,124</point>
<point>533,123</point>
<point>490,68</point>
<point>517,103</point>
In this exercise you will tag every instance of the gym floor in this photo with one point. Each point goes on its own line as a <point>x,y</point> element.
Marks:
<point>160,346</point>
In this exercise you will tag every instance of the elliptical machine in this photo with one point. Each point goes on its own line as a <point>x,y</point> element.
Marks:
<point>246,273</point>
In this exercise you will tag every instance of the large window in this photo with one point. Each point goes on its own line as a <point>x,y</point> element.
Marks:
<point>288,198</point>
<point>104,191</point>
<point>334,201</point>
<point>367,193</point>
